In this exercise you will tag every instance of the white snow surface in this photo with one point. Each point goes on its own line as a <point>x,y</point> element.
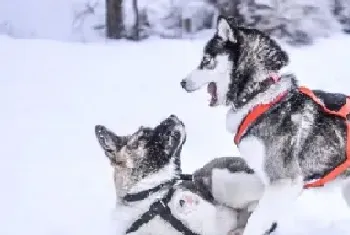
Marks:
<point>55,179</point>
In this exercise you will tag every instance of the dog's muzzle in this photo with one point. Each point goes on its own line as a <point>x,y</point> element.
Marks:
<point>183,84</point>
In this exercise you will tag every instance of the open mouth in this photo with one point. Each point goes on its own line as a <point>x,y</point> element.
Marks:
<point>212,90</point>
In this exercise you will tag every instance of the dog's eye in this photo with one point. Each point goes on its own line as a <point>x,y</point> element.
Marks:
<point>208,62</point>
<point>177,135</point>
<point>212,64</point>
<point>206,59</point>
<point>168,133</point>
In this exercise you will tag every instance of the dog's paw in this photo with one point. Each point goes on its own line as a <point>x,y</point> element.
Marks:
<point>237,231</point>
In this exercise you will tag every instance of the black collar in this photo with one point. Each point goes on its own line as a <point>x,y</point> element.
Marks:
<point>139,196</point>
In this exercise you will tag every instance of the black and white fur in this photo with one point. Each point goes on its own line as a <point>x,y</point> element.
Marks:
<point>148,158</point>
<point>294,142</point>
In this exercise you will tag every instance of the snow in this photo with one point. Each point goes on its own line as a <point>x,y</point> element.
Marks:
<point>54,177</point>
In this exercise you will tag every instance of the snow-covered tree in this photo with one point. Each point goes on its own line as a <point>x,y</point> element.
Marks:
<point>114,19</point>
<point>297,21</point>
<point>341,11</point>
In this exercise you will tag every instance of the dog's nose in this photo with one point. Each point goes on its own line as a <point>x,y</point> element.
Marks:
<point>183,83</point>
<point>182,202</point>
<point>99,129</point>
<point>174,118</point>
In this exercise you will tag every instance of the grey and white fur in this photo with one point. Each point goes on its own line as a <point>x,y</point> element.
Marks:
<point>291,144</point>
<point>232,183</point>
<point>148,158</point>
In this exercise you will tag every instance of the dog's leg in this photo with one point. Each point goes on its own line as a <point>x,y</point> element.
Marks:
<point>278,196</point>
<point>346,191</point>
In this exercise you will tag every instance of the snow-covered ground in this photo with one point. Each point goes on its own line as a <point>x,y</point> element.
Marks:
<point>55,179</point>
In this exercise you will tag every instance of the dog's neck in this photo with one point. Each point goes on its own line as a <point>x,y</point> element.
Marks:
<point>154,183</point>
<point>165,174</point>
<point>235,115</point>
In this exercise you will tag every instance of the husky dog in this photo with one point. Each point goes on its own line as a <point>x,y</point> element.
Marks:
<point>295,140</point>
<point>146,176</point>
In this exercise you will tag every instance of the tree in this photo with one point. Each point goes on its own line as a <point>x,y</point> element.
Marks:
<point>114,19</point>
<point>341,11</point>
<point>231,8</point>
<point>296,21</point>
<point>136,27</point>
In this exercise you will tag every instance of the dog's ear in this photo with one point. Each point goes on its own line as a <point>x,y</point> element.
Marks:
<point>109,141</point>
<point>224,29</point>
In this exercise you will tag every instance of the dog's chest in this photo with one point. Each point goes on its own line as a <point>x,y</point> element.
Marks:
<point>253,151</point>
<point>155,226</point>
<point>134,211</point>
<point>202,218</point>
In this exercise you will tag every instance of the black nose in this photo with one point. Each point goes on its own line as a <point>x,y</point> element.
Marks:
<point>99,129</point>
<point>183,83</point>
<point>182,202</point>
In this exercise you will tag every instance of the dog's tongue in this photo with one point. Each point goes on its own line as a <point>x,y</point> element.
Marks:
<point>211,88</point>
<point>212,91</point>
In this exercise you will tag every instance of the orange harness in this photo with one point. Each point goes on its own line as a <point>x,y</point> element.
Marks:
<point>260,109</point>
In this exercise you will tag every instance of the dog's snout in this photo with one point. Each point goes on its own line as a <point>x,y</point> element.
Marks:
<point>173,116</point>
<point>99,129</point>
<point>183,83</point>
<point>175,119</point>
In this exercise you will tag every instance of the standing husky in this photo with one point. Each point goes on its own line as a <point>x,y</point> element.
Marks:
<point>289,135</point>
<point>146,176</point>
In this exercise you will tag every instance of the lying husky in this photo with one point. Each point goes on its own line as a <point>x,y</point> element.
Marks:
<point>146,176</point>
<point>292,137</point>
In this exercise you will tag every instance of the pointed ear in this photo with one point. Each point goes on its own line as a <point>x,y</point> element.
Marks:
<point>224,30</point>
<point>108,140</point>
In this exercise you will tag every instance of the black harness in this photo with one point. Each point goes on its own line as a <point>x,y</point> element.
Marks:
<point>158,208</point>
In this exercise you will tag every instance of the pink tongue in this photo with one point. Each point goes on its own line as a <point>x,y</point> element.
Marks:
<point>211,88</point>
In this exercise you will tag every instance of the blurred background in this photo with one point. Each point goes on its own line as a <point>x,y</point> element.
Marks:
<point>67,65</point>
<point>297,22</point>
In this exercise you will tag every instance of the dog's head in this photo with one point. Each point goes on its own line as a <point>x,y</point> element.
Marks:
<point>144,153</point>
<point>232,61</point>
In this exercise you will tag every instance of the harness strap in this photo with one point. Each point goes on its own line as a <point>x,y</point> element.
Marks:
<point>161,208</point>
<point>133,197</point>
<point>187,177</point>
<point>343,113</point>
<point>253,115</point>
<point>176,223</point>
<point>158,207</point>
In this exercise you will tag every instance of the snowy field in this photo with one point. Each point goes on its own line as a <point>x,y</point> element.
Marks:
<point>54,178</point>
